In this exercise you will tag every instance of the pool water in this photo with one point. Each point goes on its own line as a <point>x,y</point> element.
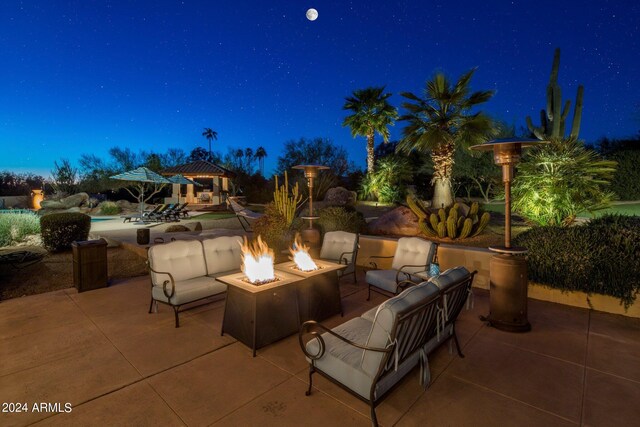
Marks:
<point>100,219</point>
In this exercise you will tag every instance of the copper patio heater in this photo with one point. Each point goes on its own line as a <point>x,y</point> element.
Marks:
<point>310,235</point>
<point>508,268</point>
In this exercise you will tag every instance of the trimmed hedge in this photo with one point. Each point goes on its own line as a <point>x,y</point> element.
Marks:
<point>626,181</point>
<point>602,256</point>
<point>59,230</point>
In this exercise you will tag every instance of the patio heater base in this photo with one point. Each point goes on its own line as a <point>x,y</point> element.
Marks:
<point>311,238</point>
<point>508,293</point>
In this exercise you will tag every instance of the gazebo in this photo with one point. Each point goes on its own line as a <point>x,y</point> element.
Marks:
<point>214,180</point>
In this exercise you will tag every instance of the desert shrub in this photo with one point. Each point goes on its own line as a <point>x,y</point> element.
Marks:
<point>626,181</point>
<point>598,257</point>
<point>273,228</point>
<point>336,218</point>
<point>16,226</point>
<point>59,230</point>
<point>176,228</point>
<point>109,208</point>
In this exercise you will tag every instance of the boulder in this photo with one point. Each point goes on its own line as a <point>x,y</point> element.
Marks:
<point>51,204</point>
<point>75,201</point>
<point>339,196</point>
<point>399,222</point>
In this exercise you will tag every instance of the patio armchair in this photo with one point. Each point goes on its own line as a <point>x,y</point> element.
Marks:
<point>410,266</point>
<point>341,247</point>
<point>370,354</point>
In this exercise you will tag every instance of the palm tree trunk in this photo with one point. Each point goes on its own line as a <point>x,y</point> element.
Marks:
<point>443,161</point>
<point>370,153</point>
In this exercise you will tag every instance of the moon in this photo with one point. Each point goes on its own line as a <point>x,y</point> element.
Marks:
<point>312,14</point>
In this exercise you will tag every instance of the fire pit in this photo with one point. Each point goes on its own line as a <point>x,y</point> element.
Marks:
<point>266,303</point>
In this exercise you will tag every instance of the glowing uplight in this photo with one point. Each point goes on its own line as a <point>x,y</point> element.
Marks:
<point>300,255</point>
<point>257,261</point>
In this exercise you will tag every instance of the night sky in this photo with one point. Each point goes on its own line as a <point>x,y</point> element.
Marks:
<point>83,76</point>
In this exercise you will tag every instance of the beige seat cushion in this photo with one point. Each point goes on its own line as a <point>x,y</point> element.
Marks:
<point>189,290</point>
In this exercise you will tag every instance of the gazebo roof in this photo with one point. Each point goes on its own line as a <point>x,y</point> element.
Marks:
<point>199,168</point>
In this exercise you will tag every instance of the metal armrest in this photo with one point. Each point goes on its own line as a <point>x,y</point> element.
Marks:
<point>310,324</point>
<point>164,284</point>
<point>343,258</point>
<point>378,256</point>
<point>407,274</point>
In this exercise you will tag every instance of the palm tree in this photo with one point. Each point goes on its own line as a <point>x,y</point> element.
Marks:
<point>371,113</point>
<point>442,120</point>
<point>261,153</point>
<point>210,134</point>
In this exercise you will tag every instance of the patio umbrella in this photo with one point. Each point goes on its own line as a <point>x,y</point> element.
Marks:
<point>141,177</point>
<point>182,180</point>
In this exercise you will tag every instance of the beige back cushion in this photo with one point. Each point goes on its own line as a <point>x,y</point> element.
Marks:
<point>223,253</point>
<point>183,259</point>
<point>413,251</point>
<point>385,320</point>
<point>336,243</point>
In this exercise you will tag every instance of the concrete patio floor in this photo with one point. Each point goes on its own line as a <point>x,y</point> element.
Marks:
<point>118,365</point>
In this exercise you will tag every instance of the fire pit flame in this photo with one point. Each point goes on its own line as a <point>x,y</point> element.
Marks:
<point>301,257</point>
<point>257,261</point>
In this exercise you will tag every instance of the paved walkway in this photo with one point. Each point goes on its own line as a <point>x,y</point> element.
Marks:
<point>117,365</point>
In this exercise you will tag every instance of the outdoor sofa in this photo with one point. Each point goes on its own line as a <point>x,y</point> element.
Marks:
<point>370,354</point>
<point>183,272</point>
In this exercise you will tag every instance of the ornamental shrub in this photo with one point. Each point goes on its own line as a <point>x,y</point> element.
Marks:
<point>273,228</point>
<point>59,230</point>
<point>598,257</point>
<point>109,208</point>
<point>16,226</point>
<point>336,218</point>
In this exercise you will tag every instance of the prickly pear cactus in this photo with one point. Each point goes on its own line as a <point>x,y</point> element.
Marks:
<point>450,224</point>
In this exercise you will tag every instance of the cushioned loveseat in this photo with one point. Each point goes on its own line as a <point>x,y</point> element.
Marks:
<point>185,271</point>
<point>369,354</point>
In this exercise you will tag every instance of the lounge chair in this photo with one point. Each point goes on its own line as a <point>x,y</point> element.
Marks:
<point>244,214</point>
<point>370,354</point>
<point>159,215</point>
<point>145,215</point>
<point>411,263</point>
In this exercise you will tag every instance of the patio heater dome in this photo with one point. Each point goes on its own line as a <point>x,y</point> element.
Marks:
<point>310,235</point>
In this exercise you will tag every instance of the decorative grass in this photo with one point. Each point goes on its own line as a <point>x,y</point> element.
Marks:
<point>16,226</point>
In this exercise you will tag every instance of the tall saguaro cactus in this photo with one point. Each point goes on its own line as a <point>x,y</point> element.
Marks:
<point>554,118</point>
